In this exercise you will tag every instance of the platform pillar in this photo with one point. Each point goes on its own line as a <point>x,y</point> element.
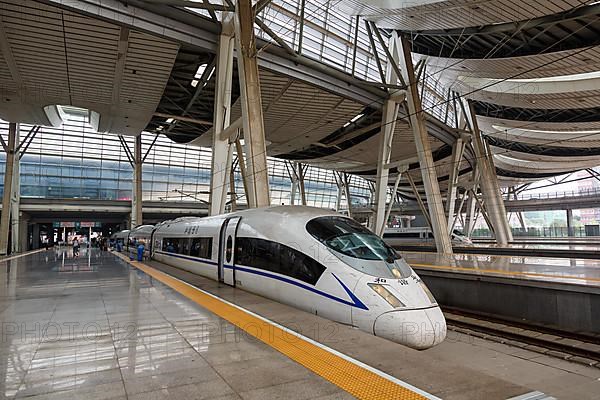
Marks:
<point>489,181</point>
<point>470,214</point>
<point>222,148</point>
<point>21,241</point>
<point>570,230</point>
<point>251,105</point>
<point>136,198</point>
<point>8,183</point>
<point>35,242</point>
<point>457,153</point>
<point>391,107</point>
<point>386,136</point>
<point>437,215</point>
<point>18,229</point>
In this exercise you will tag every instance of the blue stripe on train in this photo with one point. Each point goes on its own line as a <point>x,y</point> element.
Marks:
<point>354,303</point>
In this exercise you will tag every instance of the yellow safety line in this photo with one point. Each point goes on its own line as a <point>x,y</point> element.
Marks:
<point>496,271</point>
<point>21,255</point>
<point>351,377</point>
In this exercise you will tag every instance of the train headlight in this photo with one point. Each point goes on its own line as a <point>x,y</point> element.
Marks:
<point>387,295</point>
<point>428,292</point>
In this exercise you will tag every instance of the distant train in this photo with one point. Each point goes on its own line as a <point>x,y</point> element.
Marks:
<point>400,236</point>
<point>310,258</point>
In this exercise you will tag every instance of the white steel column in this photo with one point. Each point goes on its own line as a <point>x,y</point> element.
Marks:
<point>17,244</point>
<point>346,180</point>
<point>251,104</point>
<point>301,171</point>
<point>8,181</point>
<point>437,215</point>
<point>489,184</point>
<point>136,198</point>
<point>386,136</point>
<point>293,192</point>
<point>222,151</point>
<point>394,191</point>
<point>457,153</point>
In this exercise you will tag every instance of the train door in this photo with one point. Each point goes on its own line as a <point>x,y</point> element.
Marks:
<point>227,250</point>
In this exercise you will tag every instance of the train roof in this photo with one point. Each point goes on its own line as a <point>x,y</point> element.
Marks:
<point>142,228</point>
<point>289,211</point>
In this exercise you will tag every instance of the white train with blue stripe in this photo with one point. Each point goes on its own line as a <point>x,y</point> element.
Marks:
<point>310,258</point>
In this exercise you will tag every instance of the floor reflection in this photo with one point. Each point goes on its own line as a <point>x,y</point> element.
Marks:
<point>90,326</point>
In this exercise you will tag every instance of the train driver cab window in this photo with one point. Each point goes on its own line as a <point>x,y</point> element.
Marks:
<point>350,238</point>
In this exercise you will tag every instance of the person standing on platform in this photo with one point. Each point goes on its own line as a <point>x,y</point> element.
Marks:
<point>75,247</point>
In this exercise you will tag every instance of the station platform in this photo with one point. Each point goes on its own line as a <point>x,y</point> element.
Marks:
<point>576,271</point>
<point>102,327</point>
<point>539,291</point>
<point>590,250</point>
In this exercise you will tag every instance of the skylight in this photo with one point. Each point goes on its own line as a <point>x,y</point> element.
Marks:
<point>354,119</point>
<point>200,72</point>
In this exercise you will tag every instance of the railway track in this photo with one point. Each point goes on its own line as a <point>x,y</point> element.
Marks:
<point>582,349</point>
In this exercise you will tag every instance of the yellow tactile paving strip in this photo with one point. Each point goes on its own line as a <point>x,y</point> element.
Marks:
<point>27,253</point>
<point>502,272</point>
<point>355,379</point>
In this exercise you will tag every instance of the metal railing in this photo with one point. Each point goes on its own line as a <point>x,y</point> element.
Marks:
<point>545,232</point>
<point>558,195</point>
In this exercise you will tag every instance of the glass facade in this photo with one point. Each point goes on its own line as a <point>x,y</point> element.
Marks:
<point>72,161</point>
<point>329,35</point>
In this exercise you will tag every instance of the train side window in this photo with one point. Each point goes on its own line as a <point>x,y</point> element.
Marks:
<point>279,258</point>
<point>184,246</point>
<point>229,249</point>
<point>201,247</point>
<point>172,245</point>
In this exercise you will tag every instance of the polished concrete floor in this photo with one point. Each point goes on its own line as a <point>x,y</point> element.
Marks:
<point>564,270</point>
<point>93,328</point>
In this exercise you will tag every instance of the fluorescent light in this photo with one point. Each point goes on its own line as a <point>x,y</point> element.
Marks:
<point>356,117</point>
<point>200,71</point>
<point>170,120</point>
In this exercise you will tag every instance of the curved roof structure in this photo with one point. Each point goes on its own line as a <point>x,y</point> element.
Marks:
<point>530,69</point>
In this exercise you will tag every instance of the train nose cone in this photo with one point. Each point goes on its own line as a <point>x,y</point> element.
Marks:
<point>419,329</point>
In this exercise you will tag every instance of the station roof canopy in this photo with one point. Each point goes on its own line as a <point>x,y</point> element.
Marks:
<point>530,67</point>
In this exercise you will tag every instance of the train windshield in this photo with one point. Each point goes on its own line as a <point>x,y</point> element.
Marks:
<point>348,237</point>
<point>458,233</point>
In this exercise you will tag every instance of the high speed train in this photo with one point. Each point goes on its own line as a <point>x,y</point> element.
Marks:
<point>400,236</point>
<point>310,258</point>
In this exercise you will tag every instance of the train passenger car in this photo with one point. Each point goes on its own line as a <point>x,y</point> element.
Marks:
<point>142,233</point>
<point>120,238</point>
<point>419,235</point>
<point>312,259</point>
